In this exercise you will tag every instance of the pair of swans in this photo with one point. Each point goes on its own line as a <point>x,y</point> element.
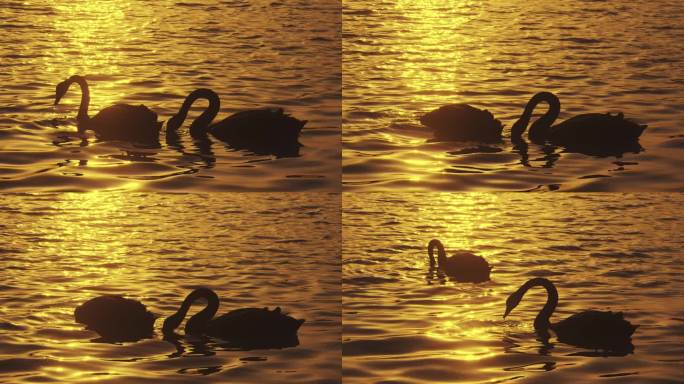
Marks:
<point>587,329</point>
<point>267,130</point>
<point>116,318</point>
<point>598,131</point>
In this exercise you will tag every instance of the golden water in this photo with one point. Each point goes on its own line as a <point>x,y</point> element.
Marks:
<point>253,53</point>
<point>619,252</point>
<point>254,250</point>
<point>403,58</point>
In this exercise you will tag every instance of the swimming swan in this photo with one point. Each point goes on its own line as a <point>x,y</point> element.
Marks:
<point>462,266</point>
<point>594,130</point>
<point>116,318</point>
<point>266,130</point>
<point>462,122</point>
<point>245,327</point>
<point>588,329</point>
<point>118,122</point>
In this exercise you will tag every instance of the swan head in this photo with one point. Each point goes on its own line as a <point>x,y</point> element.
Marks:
<point>60,91</point>
<point>512,302</point>
<point>171,323</point>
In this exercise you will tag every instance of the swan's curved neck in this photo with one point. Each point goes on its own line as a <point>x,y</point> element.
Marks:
<point>541,127</point>
<point>85,97</point>
<point>201,123</point>
<point>542,320</point>
<point>441,253</point>
<point>198,322</point>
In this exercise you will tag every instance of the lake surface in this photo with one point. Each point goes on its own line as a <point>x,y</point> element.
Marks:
<point>619,252</point>
<point>404,58</point>
<point>59,250</point>
<point>253,53</point>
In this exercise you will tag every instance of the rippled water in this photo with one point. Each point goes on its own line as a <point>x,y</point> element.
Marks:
<point>58,250</point>
<point>618,252</point>
<point>253,53</point>
<point>403,58</point>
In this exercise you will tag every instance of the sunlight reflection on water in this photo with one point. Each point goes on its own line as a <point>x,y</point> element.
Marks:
<point>402,59</point>
<point>252,53</point>
<point>603,251</point>
<point>254,250</point>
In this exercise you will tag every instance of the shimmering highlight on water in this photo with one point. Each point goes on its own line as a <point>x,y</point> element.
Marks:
<point>253,53</point>
<point>615,251</point>
<point>402,59</point>
<point>254,250</point>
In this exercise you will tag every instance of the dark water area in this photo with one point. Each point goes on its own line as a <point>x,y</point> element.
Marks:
<point>253,250</point>
<point>607,252</point>
<point>252,53</point>
<point>402,59</point>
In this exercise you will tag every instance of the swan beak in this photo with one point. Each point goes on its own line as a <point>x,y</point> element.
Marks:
<point>508,310</point>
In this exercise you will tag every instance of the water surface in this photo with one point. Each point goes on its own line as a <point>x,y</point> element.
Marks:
<point>253,53</point>
<point>254,250</point>
<point>619,252</point>
<point>404,58</point>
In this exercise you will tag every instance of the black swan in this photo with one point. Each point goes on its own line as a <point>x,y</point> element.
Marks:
<point>601,131</point>
<point>588,329</point>
<point>116,318</point>
<point>462,122</point>
<point>461,266</point>
<point>266,130</point>
<point>244,327</point>
<point>119,122</point>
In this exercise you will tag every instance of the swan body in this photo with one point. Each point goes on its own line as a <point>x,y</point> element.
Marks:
<point>462,266</point>
<point>462,122</point>
<point>588,329</point>
<point>125,122</point>
<point>245,327</point>
<point>265,130</point>
<point>590,130</point>
<point>116,318</point>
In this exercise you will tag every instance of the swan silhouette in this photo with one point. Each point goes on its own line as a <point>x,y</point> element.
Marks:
<point>266,130</point>
<point>244,327</point>
<point>118,122</point>
<point>116,318</point>
<point>600,131</point>
<point>588,329</point>
<point>462,122</point>
<point>461,266</point>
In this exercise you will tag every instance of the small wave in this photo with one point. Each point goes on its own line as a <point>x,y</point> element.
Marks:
<point>619,254</point>
<point>565,248</point>
<point>24,365</point>
<point>400,345</point>
<point>366,280</point>
<point>7,326</point>
<point>581,40</point>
